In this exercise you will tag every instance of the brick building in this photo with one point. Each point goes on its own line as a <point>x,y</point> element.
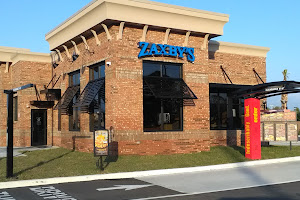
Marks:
<point>149,71</point>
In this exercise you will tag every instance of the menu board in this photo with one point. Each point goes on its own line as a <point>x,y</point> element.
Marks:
<point>101,143</point>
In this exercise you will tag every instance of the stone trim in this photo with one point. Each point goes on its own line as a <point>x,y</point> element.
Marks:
<point>234,48</point>
<point>14,55</point>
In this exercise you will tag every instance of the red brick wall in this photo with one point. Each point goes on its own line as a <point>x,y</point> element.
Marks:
<point>124,93</point>
<point>22,73</point>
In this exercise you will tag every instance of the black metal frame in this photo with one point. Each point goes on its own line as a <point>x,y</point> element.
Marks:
<point>66,99</point>
<point>271,89</point>
<point>89,93</point>
<point>257,76</point>
<point>167,88</point>
<point>225,74</point>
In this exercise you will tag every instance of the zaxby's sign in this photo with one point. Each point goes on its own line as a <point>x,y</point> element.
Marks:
<point>148,49</point>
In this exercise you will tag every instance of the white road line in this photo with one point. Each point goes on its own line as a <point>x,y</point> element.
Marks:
<point>6,196</point>
<point>196,193</point>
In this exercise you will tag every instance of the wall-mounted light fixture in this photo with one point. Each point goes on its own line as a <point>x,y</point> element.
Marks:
<point>108,64</point>
<point>54,64</point>
<point>74,56</point>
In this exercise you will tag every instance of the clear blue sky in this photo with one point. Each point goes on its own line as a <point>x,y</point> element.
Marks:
<point>268,23</point>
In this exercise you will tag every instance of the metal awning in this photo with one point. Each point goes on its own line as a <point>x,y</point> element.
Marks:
<point>265,90</point>
<point>66,99</point>
<point>167,88</point>
<point>89,93</point>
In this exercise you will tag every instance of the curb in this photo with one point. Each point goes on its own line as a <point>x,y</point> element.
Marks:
<point>137,174</point>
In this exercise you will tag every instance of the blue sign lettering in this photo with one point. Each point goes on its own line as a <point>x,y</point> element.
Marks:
<point>148,49</point>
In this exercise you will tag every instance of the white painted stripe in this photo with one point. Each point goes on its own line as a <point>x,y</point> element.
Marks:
<point>197,193</point>
<point>137,174</point>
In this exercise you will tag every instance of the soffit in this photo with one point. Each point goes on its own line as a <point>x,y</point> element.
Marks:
<point>138,12</point>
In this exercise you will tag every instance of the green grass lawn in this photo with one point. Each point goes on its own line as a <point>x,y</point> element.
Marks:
<point>63,162</point>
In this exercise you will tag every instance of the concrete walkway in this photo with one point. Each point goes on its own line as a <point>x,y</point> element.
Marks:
<point>18,150</point>
<point>284,143</point>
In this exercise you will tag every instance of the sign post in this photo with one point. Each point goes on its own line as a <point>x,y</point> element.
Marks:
<point>10,129</point>
<point>252,129</point>
<point>101,144</point>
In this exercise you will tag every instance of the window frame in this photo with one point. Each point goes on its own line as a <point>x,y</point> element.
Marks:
<point>215,88</point>
<point>181,120</point>
<point>75,111</point>
<point>91,115</point>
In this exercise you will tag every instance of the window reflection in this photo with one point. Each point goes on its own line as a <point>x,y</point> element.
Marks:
<point>162,114</point>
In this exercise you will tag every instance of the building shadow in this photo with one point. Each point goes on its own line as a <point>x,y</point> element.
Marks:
<point>40,164</point>
<point>112,156</point>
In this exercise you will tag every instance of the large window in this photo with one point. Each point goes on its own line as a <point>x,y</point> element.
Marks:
<point>218,110</point>
<point>162,114</point>
<point>97,107</point>
<point>226,110</point>
<point>74,112</point>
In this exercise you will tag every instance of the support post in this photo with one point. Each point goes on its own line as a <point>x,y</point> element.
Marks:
<point>252,129</point>
<point>10,129</point>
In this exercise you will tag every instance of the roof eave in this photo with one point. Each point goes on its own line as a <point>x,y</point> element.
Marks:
<point>149,13</point>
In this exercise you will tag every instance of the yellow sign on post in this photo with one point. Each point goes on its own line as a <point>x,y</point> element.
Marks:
<point>101,142</point>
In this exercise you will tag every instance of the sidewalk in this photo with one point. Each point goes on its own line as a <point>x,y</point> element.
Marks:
<point>18,150</point>
<point>284,143</point>
<point>139,174</point>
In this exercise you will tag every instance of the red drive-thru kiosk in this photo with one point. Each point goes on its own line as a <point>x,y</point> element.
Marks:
<point>252,128</point>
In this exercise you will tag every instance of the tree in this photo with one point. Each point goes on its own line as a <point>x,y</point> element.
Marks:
<point>284,97</point>
<point>297,110</point>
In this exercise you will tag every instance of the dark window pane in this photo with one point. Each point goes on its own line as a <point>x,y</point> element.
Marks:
<point>152,110</point>
<point>97,117</point>
<point>213,98</point>
<point>172,71</point>
<point>162,115</point>
<point>172,115</point>
<point>74,115</point>
<point>222,98</point>
<point>97,107</point>
<point>214,116</point>
<point>151,69</point>
<point>74,118</point>
<point>102,71</point>
<point>96,73</point>
<point>223,115</point>
<point>74,78</point>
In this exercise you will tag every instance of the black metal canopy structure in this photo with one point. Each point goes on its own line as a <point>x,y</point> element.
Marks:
<point>67,98</point>
<point>167,88</point>
<point>89,93</point>
<point>265,90</point>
